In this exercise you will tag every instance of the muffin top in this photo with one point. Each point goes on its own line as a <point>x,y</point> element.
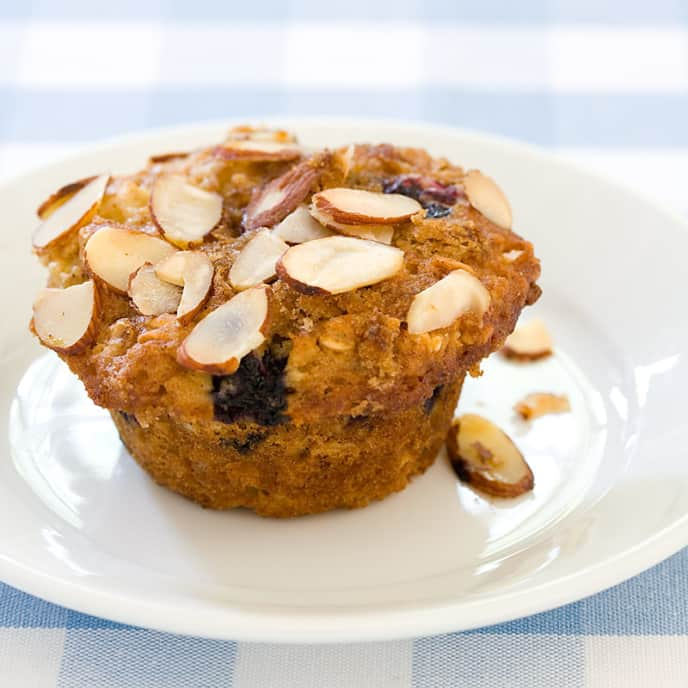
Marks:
<point>257,281</point>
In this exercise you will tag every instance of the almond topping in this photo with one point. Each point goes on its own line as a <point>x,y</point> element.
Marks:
<point>184,213</point>
<point>447,300</point>
<point>114,253</point>
<point>219,341</point>
<point>528,342</point>
<point>359,207</point>
<point>63,216</point>
<point>256,261</point>
<point>486,458</point>
<point>64,319</point>
<point>299,227</point>
<point>280,197</point>
<point>487,198</point>
<point>338,264</point>
<point>150,294</point>
<point>382,233</point>
<point>63,194</point>
<point>257,150</point>
<point>167,157</point>
<point>541,404</point>
<point>192,270</point>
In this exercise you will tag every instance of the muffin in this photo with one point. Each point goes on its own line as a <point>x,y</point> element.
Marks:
<point>280,329</point>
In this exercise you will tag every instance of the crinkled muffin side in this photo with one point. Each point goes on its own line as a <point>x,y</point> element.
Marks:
<point>343,396</point>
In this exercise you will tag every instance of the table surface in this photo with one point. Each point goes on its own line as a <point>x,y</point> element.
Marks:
<point>603,83</point>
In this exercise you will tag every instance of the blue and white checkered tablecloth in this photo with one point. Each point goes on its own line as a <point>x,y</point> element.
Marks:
<point>604,82</point>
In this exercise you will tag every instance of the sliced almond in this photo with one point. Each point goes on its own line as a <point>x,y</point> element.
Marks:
<point>244,132</point>
<point>382,233</point>
<point>192,270</point>
<point>487,198</point>
<point>256,261</point>
<point>299,227</point>
<point>359,207</point>
<point>529,342</point>
<point>512,256</point>
<point>338,264</point>
<point>151,295</point>
<point>280,197</point>
<point>114,253</point>
<point>258,150</point>
<point>63,216</point>
<point>63,194</point>
<point>447,300</point>
<point>541,404</point>
<point>219,341</point>
<point>184,213</point>
<point>64,319</point>
<point>167,157</point>
<point>486,458</point>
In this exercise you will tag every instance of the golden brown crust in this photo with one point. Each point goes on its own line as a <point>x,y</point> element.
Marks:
<point>291,471</point>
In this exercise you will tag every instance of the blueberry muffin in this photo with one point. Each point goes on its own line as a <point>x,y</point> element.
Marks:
<point>276,329</point>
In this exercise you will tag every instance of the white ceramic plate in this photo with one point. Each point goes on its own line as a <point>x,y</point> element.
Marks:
<point>82,526</point>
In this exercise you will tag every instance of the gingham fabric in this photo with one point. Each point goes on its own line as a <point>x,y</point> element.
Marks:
<point>603,82</point>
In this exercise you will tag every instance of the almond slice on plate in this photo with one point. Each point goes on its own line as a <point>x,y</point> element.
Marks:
<point>447,300</point>
<point>280,197</point>
<point>258,150</point>
<point>114,253</point>
<point>63,216</point>
<point>151,295</point>
<point>541,404</point>
<point>256,260</point>
<point>487,198</point>
<point>381,233</point>
<point>359,207</point>
<point>64,319</point>
<point>184,213</point>
<point>219,341</point>
<point>167,157</point>
<point>485,457</point>
<point>528,342</point>
<point>192,270</point>
<point>338,264</point>
<point>299,226</point>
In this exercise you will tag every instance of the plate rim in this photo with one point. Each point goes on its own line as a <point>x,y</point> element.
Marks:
<point>355,624</point>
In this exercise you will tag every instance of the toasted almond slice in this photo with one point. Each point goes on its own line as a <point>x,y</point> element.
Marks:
<point>192,270</point>
<point>447,300</point>
<point>219,342</point>
<point>280,197</point>
<point>299,227</point>
<point>484,456</point>
<point>70,214</point>
<point>382,233</point>
<point>338,264</point>
<point>511,256</point>
<point>150,294</point>
<point>167,157</point>
<point>244,132</point>
<point>256,260</point>
<point>184,213</point>
<point>64,319</point>
<point>541,404</point>
<point>487,198</point>
<point>359,207</point>
<point>258,150</point>
<point>63,194</point>
<point>529,342</point>
<point>114,253</point>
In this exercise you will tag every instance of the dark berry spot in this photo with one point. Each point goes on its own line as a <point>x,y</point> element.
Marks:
<point>425,190</point>
<point>429,403</point>
<point>256,391</point>
<point>245,444</point>
<point>129,417</point>
<point>435,210</point>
